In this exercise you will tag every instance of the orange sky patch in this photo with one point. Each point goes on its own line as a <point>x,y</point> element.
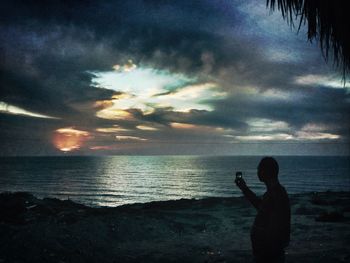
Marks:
<point>70,139</point>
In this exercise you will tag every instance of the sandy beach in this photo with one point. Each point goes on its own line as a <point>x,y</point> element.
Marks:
<point>207,230</point>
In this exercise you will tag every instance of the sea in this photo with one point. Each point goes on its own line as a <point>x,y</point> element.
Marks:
<point>118,180</point>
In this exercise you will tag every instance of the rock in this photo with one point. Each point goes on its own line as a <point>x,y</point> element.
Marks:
<point>316,200</point>
<point>330,217</point>
<point>13,207</point>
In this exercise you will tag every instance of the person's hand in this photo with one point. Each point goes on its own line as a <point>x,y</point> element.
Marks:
<point>241,183</point>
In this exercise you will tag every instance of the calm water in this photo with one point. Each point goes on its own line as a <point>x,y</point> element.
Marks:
<point>117,180</point>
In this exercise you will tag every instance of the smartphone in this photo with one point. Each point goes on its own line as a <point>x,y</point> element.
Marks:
<point>238,175</point>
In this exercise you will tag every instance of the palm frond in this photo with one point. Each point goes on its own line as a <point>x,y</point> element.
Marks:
<point>326,21</point>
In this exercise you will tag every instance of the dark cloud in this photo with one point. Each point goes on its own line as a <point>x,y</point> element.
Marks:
<point>48,50</point>
<point>21,135</point>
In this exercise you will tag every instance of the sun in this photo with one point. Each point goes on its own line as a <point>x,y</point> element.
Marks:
<point>69,139</point>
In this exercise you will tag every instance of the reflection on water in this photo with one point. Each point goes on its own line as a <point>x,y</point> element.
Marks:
<point>119,180</point>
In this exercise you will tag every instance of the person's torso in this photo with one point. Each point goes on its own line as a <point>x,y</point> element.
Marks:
<point>272,223</point>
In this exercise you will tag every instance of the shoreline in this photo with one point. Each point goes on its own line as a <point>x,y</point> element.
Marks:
<point>71,198</point>
<point>186,230</point>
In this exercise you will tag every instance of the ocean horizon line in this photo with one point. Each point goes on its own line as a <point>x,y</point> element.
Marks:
<point>184,155</point>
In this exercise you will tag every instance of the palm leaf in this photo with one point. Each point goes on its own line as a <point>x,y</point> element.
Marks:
<point>326,21</point>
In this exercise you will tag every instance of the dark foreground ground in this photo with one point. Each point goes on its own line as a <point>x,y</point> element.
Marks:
<point>208,230</point>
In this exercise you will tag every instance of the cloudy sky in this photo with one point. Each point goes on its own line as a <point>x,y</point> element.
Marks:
<point>164,77</point>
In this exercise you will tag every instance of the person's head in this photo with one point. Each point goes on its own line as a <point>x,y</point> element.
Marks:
<point>268,169</point>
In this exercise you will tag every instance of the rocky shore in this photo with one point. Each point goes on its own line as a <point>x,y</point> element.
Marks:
<point>207,230</point>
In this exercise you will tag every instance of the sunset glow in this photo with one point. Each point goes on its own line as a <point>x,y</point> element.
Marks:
<point>147,89</point>
<point>69,139</point>
<point>129,138</point>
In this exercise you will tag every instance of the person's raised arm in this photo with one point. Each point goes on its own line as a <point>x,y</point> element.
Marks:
<point>249,194</point>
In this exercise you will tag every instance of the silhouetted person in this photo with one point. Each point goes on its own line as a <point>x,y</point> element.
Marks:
<point>270,232</point>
